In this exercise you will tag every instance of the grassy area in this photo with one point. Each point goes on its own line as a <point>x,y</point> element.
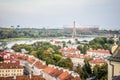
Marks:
<point>20,39</point>
<point>16,39</point>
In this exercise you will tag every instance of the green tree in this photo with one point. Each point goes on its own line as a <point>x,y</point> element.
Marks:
<point>77,41</point>
<point>100,72</point>
<point>83,48</point>
<point>3,45</point>
<point>57,57</point>
<point>64,43</point>
<point>34,53</point>
<point>66,63</point>
<point>48,58</point>
<point>1,59</point>
<point>87,67</point>
<point>81,72</point>
<point>69,42</point>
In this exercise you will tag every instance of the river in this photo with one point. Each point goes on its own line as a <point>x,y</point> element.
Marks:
<point>10,44</point>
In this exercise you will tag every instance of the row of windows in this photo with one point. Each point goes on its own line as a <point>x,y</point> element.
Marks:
<point>10,70</point>
<point>12,74</point>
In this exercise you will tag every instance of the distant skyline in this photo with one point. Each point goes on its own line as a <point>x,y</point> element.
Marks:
<point>57,13</point>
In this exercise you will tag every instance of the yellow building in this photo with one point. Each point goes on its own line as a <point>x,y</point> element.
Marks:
<point>114,65</point>
<point>10,69</point>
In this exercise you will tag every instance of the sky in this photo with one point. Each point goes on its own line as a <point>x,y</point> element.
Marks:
<point>60,13</point>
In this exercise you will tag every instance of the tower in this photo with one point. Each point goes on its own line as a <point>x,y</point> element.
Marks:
<point>74,30</point>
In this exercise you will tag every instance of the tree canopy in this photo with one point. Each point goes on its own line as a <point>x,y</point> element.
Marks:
<point>47,52</point>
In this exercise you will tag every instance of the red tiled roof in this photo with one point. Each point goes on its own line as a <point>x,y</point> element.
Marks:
<point>29,78</point>
<point>69,50</point>
<point>40,65</point>
<point>100,51</point>
<point>72,55</point>
<point>63,75</point>
<point>10,66</point>
<point>31,60</point>
<point>97,61</point>
<point>56,72</point>
<point>77,56</point>
<point>6,78</point>
<point>6,55</point>
<point>49,69</point>
<point>23,78</point>
<point>70,77</point>
<point>22,57</point>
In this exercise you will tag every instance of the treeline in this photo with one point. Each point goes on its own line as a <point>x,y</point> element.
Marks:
<point>29,33</point>
<point>47,52</point>
<point>101,43</point>
<point>37,33</point>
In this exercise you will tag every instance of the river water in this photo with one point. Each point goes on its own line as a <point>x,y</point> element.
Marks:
<point>10,44</point>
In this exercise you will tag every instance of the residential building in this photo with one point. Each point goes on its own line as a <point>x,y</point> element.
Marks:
<point>8,58</point>
<point>66,51</point>
<point>22,78</point>
<point>75,55</point>
<point>37,67</point>
<point>97,61</point>
<point>99,53</point>
<point>10,69</point>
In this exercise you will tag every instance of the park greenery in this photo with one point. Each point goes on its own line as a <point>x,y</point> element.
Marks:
<point>46,52</point>
<point>97,43</point>
<point>97,73</point>
<point>1,59</point>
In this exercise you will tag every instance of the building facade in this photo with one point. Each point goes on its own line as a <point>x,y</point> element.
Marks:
<point>114,65</point>
<point>10,69</point>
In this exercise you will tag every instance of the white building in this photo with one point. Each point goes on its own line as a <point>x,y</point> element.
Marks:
<point>100,53</point>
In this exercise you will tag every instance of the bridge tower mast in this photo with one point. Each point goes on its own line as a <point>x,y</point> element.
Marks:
<point>74,30</point>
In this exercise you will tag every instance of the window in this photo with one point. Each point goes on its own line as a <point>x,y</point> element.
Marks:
<point>8,70</point>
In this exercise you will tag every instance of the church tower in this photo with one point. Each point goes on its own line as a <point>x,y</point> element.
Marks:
<point>115,45</point>
<point>114,62</point>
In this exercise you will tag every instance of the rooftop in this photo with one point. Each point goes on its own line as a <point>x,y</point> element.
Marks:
<point>10,66</point>
<point>22,78</point>
<point>64,75</point>
<point>50,69</point>
<point>99,51</point>
<point>97,61</point>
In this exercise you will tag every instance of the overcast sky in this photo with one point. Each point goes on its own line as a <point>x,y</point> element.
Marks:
<point>56,13</point>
